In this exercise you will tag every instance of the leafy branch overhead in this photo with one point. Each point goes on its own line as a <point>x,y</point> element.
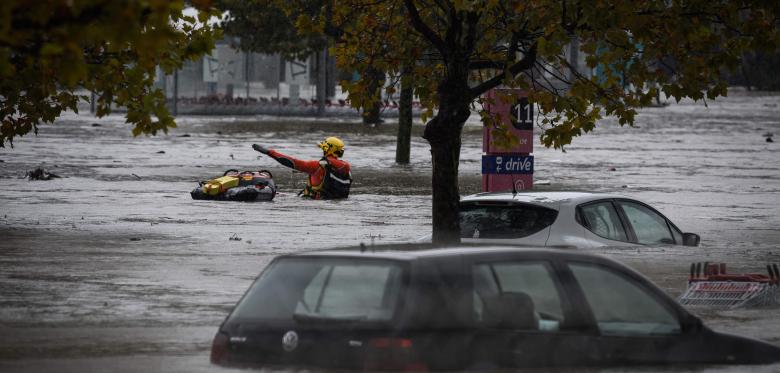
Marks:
<point>50,50</point>
<point>633,50</point>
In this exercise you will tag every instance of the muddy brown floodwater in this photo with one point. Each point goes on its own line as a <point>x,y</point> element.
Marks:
<point>114,268</point>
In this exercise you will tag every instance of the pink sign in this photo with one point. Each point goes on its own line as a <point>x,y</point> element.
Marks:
<point>499,183</point>
<point>511,108</point>
<point>516,113</point>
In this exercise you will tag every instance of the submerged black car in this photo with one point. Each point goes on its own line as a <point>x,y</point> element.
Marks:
<point>420,308</point>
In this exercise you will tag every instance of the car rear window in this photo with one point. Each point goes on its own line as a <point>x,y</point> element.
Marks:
<point>503,220</point>
<point>323,289</point>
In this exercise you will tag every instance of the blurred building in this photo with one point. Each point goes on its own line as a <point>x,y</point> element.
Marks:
<point>230,73</point>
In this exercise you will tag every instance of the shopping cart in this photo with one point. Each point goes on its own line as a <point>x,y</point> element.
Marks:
<point>710,285</point>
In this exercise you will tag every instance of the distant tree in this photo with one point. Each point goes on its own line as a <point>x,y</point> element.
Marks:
<point>261,26</point>
<point>758,71</point>
<point>50,49</point>
<point>463,48</point>
<point>268,26</point>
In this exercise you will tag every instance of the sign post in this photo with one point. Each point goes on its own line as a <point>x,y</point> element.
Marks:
<point>508,169</point>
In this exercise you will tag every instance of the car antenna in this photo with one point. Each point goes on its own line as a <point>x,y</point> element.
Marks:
<point>362,247</point>
<point>514,186</point>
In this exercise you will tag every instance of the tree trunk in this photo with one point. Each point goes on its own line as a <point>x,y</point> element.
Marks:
<point>371,115</point>
<point>404,141</point>
<point>175,93</point>
<point>745,74</point>
<point>247,60</point>
<point>322,57</point>
<point>443,133</point>
<point>574,58</point>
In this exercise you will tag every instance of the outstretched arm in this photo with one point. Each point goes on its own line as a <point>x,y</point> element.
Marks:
<point>308,167</point>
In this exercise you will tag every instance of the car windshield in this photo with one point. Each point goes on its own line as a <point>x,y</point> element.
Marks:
<point>503,220</point>
<point>307,289</point>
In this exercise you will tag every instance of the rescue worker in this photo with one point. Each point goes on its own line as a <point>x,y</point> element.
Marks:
<point>329,177</point>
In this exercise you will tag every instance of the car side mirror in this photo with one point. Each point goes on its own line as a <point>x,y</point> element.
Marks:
<point>691,239</point>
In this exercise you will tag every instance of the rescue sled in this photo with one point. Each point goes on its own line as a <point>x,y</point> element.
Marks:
<point>710,285</point>
<point>245,186</point>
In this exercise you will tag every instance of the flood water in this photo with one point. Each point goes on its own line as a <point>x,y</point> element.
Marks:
<point>113,267</point>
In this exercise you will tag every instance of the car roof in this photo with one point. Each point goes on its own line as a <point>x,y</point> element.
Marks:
<point>416,251</point>
<point>547,199</point>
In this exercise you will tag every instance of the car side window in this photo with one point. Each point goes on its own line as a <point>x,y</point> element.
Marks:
<point>649,227</point>
<point>620,305</point>
<point>602,219</point>
<point>519,295</point>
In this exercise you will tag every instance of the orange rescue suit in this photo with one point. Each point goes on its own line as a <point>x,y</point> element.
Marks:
<point>316,169</point>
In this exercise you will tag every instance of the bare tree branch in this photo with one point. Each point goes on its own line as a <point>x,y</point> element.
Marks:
<point>486,64</point>
<point>422,28</point>
<point>526,63</point>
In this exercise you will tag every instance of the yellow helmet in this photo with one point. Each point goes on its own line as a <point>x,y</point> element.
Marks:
<point>332,146</point>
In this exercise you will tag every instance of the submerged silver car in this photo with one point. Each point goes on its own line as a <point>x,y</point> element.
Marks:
<point>566,219</point>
